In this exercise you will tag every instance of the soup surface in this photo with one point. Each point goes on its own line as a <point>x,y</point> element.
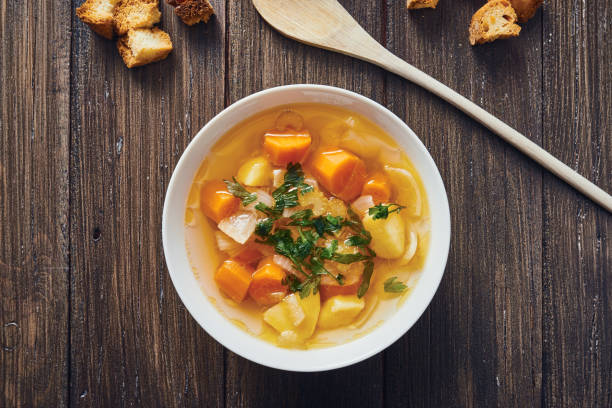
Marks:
<point>307,226</point>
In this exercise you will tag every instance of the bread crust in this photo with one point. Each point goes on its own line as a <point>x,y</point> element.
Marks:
<point>160,51</point>
<point>100,23</point>
<point>192,11</point>
<point>495,20</point>
<point>420,4</point>
<point>135,14</point>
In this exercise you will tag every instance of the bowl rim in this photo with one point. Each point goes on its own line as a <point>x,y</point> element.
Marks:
<point>317,359</point>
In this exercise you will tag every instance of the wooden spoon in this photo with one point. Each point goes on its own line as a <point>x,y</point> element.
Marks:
<point>326,24</point>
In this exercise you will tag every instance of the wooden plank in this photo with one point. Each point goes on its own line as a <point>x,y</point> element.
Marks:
<point>260,58</point>
<point>34,137</point>
<point>577,251</point>
<point>133,343</point>
<point>479,344</point>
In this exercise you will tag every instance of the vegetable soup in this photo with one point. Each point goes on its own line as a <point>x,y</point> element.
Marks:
<point>315,221</point>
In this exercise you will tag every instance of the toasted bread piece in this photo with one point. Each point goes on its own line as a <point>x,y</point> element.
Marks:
<point>141,46</point>
<point>98,15</point>
<point>495,20</point>
<point>135,14</point>
<point>192,11</point>
<point>419,4</point>
<point>525,9</point>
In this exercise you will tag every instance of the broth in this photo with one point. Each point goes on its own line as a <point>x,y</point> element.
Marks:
<point>329,126</point>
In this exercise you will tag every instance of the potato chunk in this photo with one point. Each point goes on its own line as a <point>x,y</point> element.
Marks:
<point>256,172</point>
<point>388,235</point>
<point>339,311</point>
<point>291,322</point>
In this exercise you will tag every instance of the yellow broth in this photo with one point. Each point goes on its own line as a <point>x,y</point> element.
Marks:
<point>329,126</point>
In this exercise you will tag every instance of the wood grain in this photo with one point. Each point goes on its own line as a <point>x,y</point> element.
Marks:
<point>479,344</point>
<point>132,341</point>
<point>88,314</point>
<point>577,253</point>
<point>34,255</point>
<point>261,58</point>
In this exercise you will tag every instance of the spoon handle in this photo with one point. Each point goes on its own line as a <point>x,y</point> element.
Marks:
<point>387,60</point>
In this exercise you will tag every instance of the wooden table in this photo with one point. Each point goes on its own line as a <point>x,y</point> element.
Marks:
<point>88,314</point>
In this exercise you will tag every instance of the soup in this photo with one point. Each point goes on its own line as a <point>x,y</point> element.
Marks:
<point>307,226</point>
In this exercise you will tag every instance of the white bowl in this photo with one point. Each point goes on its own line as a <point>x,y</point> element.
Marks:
<point>239,341</point>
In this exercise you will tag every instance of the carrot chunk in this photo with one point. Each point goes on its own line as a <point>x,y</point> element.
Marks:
<point>234,279</point>
<point>333,289</point>
<point>267,287</point>
<point>287,147</point>
<point>379,187</point>
<point>216,202</point>
<point>340,172</point>
<point>249,255</point>
<point>268,260</point>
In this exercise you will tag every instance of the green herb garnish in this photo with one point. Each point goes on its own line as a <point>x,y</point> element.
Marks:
<point>264,227</point>
<point>306,256</point>
<point>349,258</point>
<point>358,240</point>
<point>394,286</point>
<point>286,196</point>
<point>239,191</point>
<point>383,210</point>
<point>302,218</point>
<point>368,269</point>
<point>270,212</point>
<point>295,178</point>
<point>309,285</point>
<point>329,251</point>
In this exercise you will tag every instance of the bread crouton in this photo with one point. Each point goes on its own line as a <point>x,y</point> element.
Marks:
<point>192,11</point>
<point>419,4</point>
<point>135,14</point>
<point>141,46</point>
<point>495,20</point>
<point>98,15</point>
<point>525,9</point>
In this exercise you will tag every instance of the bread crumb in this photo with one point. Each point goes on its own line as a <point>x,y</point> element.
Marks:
<point>98,15</point>
<point>420,4</point>
<point>141,46</point>
<point>135,14</point>
<point>192,11</point>
<point>495,20</point>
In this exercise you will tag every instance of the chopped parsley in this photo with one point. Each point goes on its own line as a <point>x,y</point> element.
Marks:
<point>368,270</point>
<point>307,257</point>
<point>239,191</point>
<point>294,178</point>
<point>264,227</point>
<point>286,196</point>
<point>329,251</point>
<point>360,240</point>
<point>383,210</point>
<point>392,285</point>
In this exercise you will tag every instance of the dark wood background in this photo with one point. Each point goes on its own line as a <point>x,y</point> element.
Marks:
<point>88,314</point>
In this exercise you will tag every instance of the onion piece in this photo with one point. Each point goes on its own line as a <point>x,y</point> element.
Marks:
<point>362,204</point>
<point>289,119</point>
<point>262,197</point>
<point>239,226</point>
<point>412,240</point>
<point>311,182</point>
<point>227,244</point>
<point>278,176</point>
<point>284,263</point>
<point>288,212</point>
